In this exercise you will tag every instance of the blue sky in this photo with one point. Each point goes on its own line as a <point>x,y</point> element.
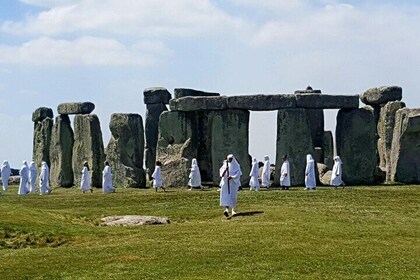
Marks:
<point>108,51</point>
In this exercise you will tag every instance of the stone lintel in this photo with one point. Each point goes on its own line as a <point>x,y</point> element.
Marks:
<point>156,95</point>
<point>262,102</point>
<point>324,101</point>
<point>183,92</point>
<point>199,103</point>
<point>75,108</point>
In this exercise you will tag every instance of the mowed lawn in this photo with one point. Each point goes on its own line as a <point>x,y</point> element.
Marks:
<point>351,233</point>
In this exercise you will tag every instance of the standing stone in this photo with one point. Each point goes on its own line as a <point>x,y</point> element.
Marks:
<point>61,152</point>
<point>230,135</point>
<point>294,139</point>
<point>385,133</point>
<point>356,145</point>
<point>204,147</point>
<point>405,153</point>
<point>155,95</point>
<point>152,130</point>
<point>125,150</point>
<point>177,146</point>
<point>88,146</point>
<point>328,149</point>
<point>43,124</point>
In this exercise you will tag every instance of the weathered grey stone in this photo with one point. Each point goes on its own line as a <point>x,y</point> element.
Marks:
<point>177,146</point>
<point>133,220</point>
<point>230,135</point>
<point>204,144</point>
<point>88,146</point>
<point>356,145</point>
<point>328,149</point>
<point>385,133</point>
<point>74,108</point>
<point>316,123</point>
<point>61,152</point>
<point>405,152</point>
<point>326,178</point>
<point>381,95</point>
<point>42,141</point>
<point>41,113</point>
<point>151,134</point>
<point>308,91</point>
<point>197,103</point>
<point>125,150</point>
<point>294,139</point>
<point>156,95</point>
<point>318,155</point>
<point>322,170</point>
<point>182,92</point>
<point>262,102</point>
<point>324,101</point>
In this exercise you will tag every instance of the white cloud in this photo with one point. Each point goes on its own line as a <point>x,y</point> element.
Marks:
<point>49,3</point>
<point>139,18</point>
<point>82,51</point>
<point>273,5</point>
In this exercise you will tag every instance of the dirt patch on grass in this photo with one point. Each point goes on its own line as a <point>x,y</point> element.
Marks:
<point>19,239</point>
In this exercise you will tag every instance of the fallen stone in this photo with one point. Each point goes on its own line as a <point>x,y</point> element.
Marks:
<point>182,92</point>
<point>134,220</point>
<point>125,150</point>
<point>405,152</point>
<point>381,95</point>
<point>262,102</point>
<point>325,179</point>
<point>197,103</point>
<point>155,95</point>
<point>324,101</point>
<point>42,113</point>
<point>76,108</point>
<point>356,145</point>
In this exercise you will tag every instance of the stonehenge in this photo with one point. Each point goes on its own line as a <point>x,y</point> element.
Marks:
<point>377,143</point>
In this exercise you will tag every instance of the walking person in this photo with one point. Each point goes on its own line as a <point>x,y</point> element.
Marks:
<point>195,177</point>
<point>253,181</point>
<point>157,177</point>
<point>285,174</point>
<point>5,174</point>
<point>24,179</point>
<point>337,172</point>
<point>310,182</point>
<point>265,176</point>
<point>44,179</point>
<point>230,174</point>
<point>85,181</point>
<point>33,173</point>
<point>107,186</point>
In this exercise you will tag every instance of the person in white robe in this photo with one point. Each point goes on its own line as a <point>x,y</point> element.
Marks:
<point>85,182</point>
<point>310,182</point>
<point>230,174</point>
<point>5,174</point>
<point>195,177</point>
<point>253,181</point>
<point>337,172</point>
<point>107,186</point>
<point>157,177</point>
<point>33,173</point>
<point>265,175</point>
<point>285,174</point>
<point>44,179</point>
<point>24,179</point>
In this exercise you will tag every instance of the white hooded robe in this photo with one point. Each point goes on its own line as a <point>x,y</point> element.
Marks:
<point>157,178</point>
<point>310,182</point>
<point>285,174</point>
<point>337,172</point>
<point>107,180</point>
<point>229,191</point>
<point>24,177</point>
<point>253,181</point>
<point>5,174</point>
<point>265,176</point>
<point>44,179</point>
<point>85,182</point>
<point>195,177</point>
<point>33,173</point>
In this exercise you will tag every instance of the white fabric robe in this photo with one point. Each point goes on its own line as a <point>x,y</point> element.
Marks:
<point>44,179</point>
<point>310,181</point>
<point>337,172</point>
<point>285,174</point>
<point>265,176</point>
<point>33,173</point>
<point>24,176</point>
<point>157,178</point>
<point>229,192</point>
<point>85,182</point>
<point>253,181</point>
<point>195,177</point>
<point>107,180</point>
<point>5,174</point>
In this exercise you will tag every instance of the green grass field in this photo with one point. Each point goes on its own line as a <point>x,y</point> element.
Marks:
<point>352,233</point>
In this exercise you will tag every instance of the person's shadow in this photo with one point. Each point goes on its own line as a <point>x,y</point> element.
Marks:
<point>246,214</point>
